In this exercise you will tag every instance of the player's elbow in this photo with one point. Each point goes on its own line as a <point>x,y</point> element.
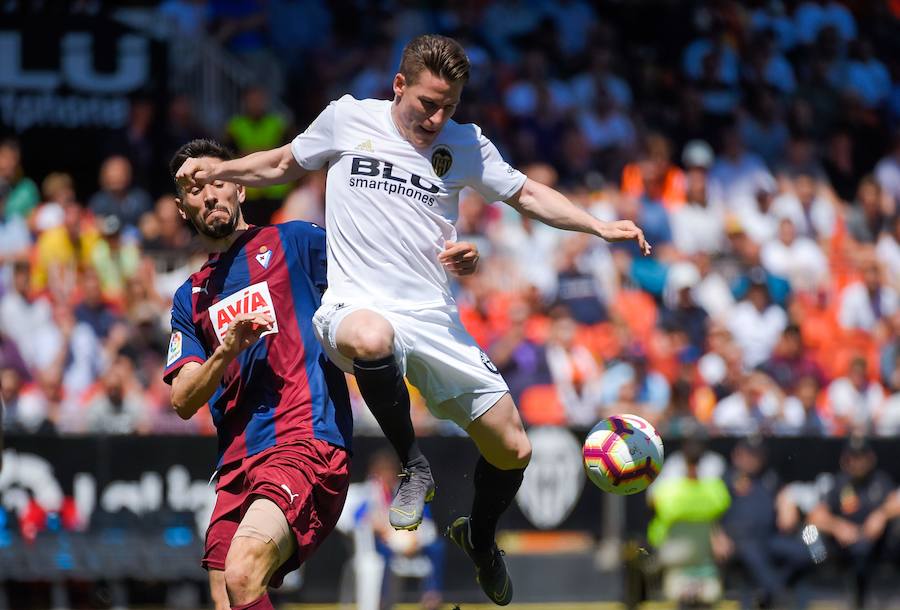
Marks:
<point>181,405</point>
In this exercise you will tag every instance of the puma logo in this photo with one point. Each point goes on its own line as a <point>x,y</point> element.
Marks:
<point>288,490</point>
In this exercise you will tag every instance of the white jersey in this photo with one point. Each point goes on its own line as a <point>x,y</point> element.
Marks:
<point>390,207</point>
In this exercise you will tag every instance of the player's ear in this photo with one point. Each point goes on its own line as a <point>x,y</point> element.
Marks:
<point>241,193</point>
<point>399,85</point>
<point>179,204</point>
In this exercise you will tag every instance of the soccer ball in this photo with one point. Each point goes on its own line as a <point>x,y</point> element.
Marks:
<point>623,454</point>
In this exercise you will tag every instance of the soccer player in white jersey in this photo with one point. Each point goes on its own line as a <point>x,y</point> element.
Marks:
<point>395,170</point>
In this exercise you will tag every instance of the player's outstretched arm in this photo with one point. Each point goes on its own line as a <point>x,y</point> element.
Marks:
<point>263,168</point>
<point>551,207</point>
<point>195,383</point>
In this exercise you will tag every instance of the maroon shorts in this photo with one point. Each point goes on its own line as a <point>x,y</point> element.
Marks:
<point>317,475</point>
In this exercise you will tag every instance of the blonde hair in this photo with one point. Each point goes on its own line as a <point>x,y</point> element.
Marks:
<point>440,55</point>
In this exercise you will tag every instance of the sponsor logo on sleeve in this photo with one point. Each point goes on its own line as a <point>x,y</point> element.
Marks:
<point>253,299</point>
<point>174,348</point>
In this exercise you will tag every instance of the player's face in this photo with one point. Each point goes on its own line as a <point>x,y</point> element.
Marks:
<point>425,106</point>
<point>213,209</point>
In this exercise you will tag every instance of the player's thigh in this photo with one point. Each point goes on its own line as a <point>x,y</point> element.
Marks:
<point>365,334</point>
<point>500,436</point>
<point>217,591</point>
<point>263,541</point>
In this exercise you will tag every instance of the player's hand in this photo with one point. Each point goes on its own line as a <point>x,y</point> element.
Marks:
<point>195,173</point>
<point>244,331</point>
<point>459,258</point>
<point>625,230</point>
<point>874,525</point>
<point>846,533</point>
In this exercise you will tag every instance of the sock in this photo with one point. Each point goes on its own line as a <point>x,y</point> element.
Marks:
<point>494,492</point>
<point>384,390</point>
<point>262,603</point>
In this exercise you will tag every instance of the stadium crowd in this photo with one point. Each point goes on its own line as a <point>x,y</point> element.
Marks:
<point>757,145</point>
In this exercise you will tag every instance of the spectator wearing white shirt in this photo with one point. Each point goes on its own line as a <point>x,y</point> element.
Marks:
<point>754,214</point>
<point>811,212</point>
<point>800,260</point>
<point>864,304</point>
<point>754,408</point>
<point>800,415</point>
<point>855,400</point>
<point>20,315</point>
<point>698,225</point>
<point>737,172</point>
<point>755,322</point>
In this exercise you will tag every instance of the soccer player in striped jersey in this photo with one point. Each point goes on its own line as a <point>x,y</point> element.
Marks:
<point>242,342</point>
<point>395,171</point>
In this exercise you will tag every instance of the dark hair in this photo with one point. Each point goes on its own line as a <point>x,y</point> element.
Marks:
<point>194,149</point>
<point>440,55</point>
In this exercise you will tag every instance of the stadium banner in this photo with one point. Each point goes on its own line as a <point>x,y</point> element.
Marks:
<point>146,474</point>
<point>67,86</point>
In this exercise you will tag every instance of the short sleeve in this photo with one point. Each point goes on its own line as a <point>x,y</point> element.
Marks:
<point>315,146</point>
<point>496,179</point>
<point>184,345</point>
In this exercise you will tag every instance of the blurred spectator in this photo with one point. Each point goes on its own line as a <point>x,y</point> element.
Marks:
<point>181,126</point>
<point>854,400</point>
<point>10,393</point>
<point>756,407</point>
<point>887,172</point>
<point>63,249</point>
<point>521,360</point>
<point>10,358</point>
<point>20,314</point>
<point>655,176</point>
<point>852,514</point>
<point>93,309</point>
<point>685,512</point>
<point>649,387</point>
<point>599,76</point>
<point>863,304</point>
<point>865,76</point>
<point>760,529</point>
<point>888,250</point>
<point>680,311</point>
<point>189,17</point>
<point>45,406</point>
<point>697,226</point>
<point>737,172</point>
<point>70,346</point>
<point>115,405</point>
<point>258,128</point>
<point>812,16</point>
<point>763,129</point>
<point>840,165</point>
<point>812,214</point>
<point>115,257</point>
<point>803,410</point>
<point>577,288</point>
<point>868,216</point>
<point>790,362</point>
<point>138,142</point>
<point>18,193</point>
<point>163,232</point>
<point>117,195</point>
<point>800,260</point>
<point>756,322</point>
<point>574,370</point>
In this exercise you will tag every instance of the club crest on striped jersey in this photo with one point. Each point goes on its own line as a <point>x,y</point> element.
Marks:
<point>441,160</point>
<point>252,299</point>
<point>264,256</point>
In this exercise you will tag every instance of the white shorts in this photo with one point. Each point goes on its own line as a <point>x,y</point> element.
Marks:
<point>435,353</point>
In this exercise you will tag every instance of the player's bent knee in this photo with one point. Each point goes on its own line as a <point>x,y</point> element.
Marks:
<point>365,336</point>
<point>247,569</point>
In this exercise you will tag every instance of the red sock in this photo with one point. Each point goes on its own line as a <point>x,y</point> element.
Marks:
<point>262,603</point>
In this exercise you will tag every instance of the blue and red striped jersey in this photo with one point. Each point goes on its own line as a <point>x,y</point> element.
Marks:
<point>282,388</point>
